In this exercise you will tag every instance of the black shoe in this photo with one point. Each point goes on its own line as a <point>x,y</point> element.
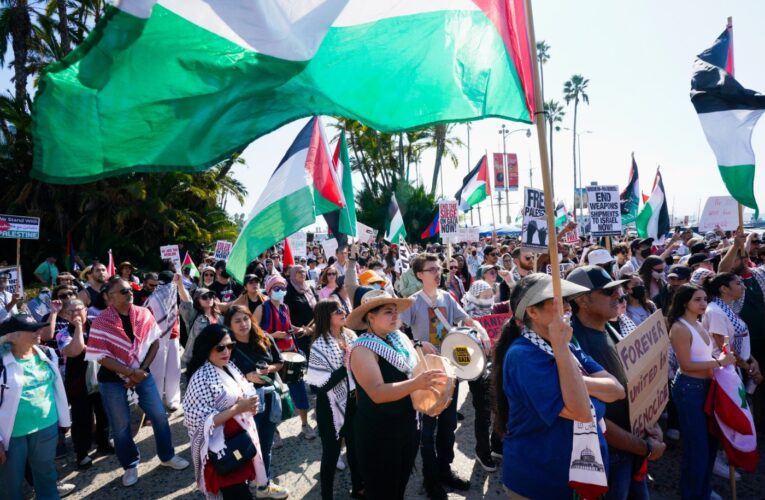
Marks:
<point>460,416</point>
<point>486,462</point>
<point>450,479</point>
<point>435,491</point>
<point>105,449</point>
<point>359,493</point>
<point>85,463</point>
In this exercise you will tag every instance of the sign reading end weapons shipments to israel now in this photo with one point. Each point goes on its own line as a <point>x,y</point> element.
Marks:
<point>605,210</point>
<point>447,218</point>
<point>643,354</point>
<point>534,233</point>
<point>19,227</point>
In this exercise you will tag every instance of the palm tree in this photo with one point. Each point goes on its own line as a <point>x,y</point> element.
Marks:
<point>543,55</point>
<point>444,143</point>
<point>16,27</point>
<point>554,113</point>
<point>575,90</point>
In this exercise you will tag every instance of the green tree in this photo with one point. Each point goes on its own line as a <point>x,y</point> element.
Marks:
<point>575,89</point>
<point>553,114</point>
<point>543,55</point>
<point>417,207</point>
<point>440,138</point>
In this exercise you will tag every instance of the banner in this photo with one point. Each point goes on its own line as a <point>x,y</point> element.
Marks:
<point>447,211</point>
<point>534,232</point>
<point>467,235</point>
<point>222,249</point>
<point>509,183</point>
<point>19,227</point>
<point>493,324</point>
<point>719,211</point>
<point>299,244</point>
<point>643,354</point>
<point>14,280</point>
<point>365,234</point>
<point>171,252</point>
<point>605,210</point>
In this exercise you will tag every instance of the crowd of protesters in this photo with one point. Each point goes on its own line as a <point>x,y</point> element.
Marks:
<point>351,329</point>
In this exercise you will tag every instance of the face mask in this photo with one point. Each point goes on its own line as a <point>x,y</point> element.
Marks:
<point>657,275</point>
<point>638,292</point>
<point>645,252</point>
<point>380,273</point>
<point>375,286</point>
<point>278,295</point>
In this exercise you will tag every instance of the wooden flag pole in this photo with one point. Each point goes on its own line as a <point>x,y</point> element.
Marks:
<point>740,206</point>
<point>552,241</point>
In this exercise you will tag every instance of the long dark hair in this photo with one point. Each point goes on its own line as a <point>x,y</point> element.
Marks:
<point>208,338</point>
<point>258,340</point>
<point>322,316</point>
<point>646,268</point>
<point>510,332</point>
<point>713,284</point>
<point>680,301</point>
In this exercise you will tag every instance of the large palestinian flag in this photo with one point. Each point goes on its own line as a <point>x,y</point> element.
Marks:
<point>653,219</point>
<point>630,197</point>
<point>475,186</point>
<point>728,114</point>
<point>181,84</point>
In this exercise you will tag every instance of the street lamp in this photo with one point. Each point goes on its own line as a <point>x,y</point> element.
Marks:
<point>505,133</point>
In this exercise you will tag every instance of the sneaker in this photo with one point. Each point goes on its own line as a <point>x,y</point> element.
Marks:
<point>85,463</point>
<point>672,434</point>
<point>435,491</point>
<point>722,470</point>
<point>271,490</point>
<point>172,409</point>
<point>65,489</point>
<point>308,432</point>
<point>105,449</point>
<point>130,477</point>
<point>176,463</point>
<point>340,463</point>
<point>487,463</point>
<point>715,496</point>
<point>452,480</point>
<point>496,455</point>
<point>277,441</point>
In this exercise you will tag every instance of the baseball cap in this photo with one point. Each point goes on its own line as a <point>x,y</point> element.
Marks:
<point>699,247</point>
<point>166,277</point>
<point>369,277</point>
<point>20,323</point>
<point>541,289</point>
<point>698,258</point>
<point>482,269</point>
<point>599,256</point>
<point>592,278</point>
<point>679,271</point>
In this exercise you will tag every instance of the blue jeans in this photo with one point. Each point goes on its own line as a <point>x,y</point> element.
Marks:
<point>114,399</point>
<point>621,486</point>
<point>699,447</point>
<point>39,448</point>
<point>299,395</point>
<point>266,430</point>
<point>437,442</point>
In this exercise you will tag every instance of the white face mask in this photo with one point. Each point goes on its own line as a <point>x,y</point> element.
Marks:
<point>375,286</point>
<point>657,275</point>
<point>278,295</point>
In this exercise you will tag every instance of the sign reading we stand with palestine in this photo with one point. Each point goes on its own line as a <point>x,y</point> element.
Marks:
<point>19,227</point>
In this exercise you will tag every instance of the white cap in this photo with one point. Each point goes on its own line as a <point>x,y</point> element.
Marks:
<point>599,256</point>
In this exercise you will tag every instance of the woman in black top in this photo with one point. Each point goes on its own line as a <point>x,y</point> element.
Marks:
<point>382,362</point>
<point>255,354</point>
<point>300,299</point>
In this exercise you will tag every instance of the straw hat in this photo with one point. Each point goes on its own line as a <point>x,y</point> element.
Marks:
<point>372,299</point>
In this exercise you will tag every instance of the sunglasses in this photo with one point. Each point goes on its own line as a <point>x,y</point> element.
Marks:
<point>623,299</point>
<point>453,267</point>
<point>207,296</point>
<point>660,270</point>
<point>208,275</point>
<point>224,347</point>
<point>125,291</point>
<point>339,312</point>
<point>756,242</point>
<point>331,274</point>
<point>608,292</point>
<point>278,289</point>
<point>495,254</point>
<point>64,296</point>
<point>432,270</point>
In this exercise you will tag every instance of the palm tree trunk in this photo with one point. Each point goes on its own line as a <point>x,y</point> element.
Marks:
<point>63,26</point>
<point>440,137</point>
<point>552,163</point>
<point>21,29</point>
<point>576,104</point>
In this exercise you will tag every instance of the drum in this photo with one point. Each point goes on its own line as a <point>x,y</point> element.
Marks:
<point>427,401</point>
<point>294,367</point>
<point>463,348</point>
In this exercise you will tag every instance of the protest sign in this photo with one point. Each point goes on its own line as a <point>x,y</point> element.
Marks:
<point>299,244</point>
<point>534,232</point>
<point>222,249</point>
<point>719,211</point>
<point>318,237</point>
<point>365,234</point>
<point>447,211</point>
<point>330,246</point>
<point>171,252</point>
<point>571,237</point>
<point>467,235</point>
<point>643,354</point>
<point>493,324</point>
<point>19,227</point>
<point>15,281</point>
<point>605,210</point>
<point>563,266</point>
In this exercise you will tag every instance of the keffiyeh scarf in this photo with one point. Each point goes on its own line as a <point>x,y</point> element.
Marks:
<point>108,338</point>
<point>163,303</point>
<point>326,357</point>
<point>739,327</point>
<point>587,476</point>
<point>395,349</point>
<point>211,391</point>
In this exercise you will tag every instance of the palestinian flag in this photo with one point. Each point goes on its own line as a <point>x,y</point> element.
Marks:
<point>110,270</point>
<point>560,214</point>
<point>181,84</point>
<point>653,220</point>
<point>289,259</point>
<point>728,114</point>
<point>302,187</point>
<point>475,186</point>
<point>187,262</point>
<point>396,230</point>
<point>433,228</point>
<point>342,223</point>
<point>730,418</point>
<point>630,197</point>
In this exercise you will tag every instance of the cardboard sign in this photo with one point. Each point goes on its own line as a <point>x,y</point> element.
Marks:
<point>222,249</point>
<point>299,244</point>
<point>172,253</point>
<point>563,266</point>
<point>719,211</point>
<point>330,246</point>
<point>643,354</point>
<point>467,235</point>
<point>19,227</point>
<point>447,211</point>
<point>571,237</point>
<point>365,234</point>
<point>605,210</point>
<point>15,282</point>
<point>493,324</point>
<point>534,232</point>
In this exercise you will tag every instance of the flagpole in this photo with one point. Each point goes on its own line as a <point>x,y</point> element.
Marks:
<point>740,206</point>
<point>491,199</point>
<point>552,241</point>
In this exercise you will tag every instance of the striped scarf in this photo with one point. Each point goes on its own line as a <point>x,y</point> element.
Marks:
<point>739,327</point>
<point>108,338</point>
<point>396,349</point>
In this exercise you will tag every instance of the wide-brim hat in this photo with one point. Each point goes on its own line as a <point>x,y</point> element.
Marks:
<point>127,264</point>
<point>371,300</point>
<point>85,272</point>
<point>543,290</point>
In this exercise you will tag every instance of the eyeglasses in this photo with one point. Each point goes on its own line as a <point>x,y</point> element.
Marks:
<point>331,274</point>
<point>453,268</point>
<point>64,296</point>
<point>208,275</point>
<point>432,270</point>
<point>659,270</point>
<point>608,292</point>
<point>224,347</point>
<point>124,291</point>
<point>278,289</point>
<point>339,312</point>
<point>494,254</point>
<point>207,296</point>
<point>623,299</point>
<point>151,285</point>
<point>756,242</point>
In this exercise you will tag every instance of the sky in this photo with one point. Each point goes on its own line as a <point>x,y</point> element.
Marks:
<point>637,57</point>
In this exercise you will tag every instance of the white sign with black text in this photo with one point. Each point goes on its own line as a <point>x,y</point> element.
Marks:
<point>534,233</point>
<point>605,210</point>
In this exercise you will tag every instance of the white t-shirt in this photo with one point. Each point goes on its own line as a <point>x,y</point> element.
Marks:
<point>717,322</point>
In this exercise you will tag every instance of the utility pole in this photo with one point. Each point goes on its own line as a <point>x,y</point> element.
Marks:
<point>469,166</point>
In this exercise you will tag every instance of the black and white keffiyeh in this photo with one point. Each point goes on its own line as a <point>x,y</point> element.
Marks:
<point>396,349</point>
<point>163,303</point>
<point>586,472</point>
<point>741,331</point>
<point>326,357</point>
